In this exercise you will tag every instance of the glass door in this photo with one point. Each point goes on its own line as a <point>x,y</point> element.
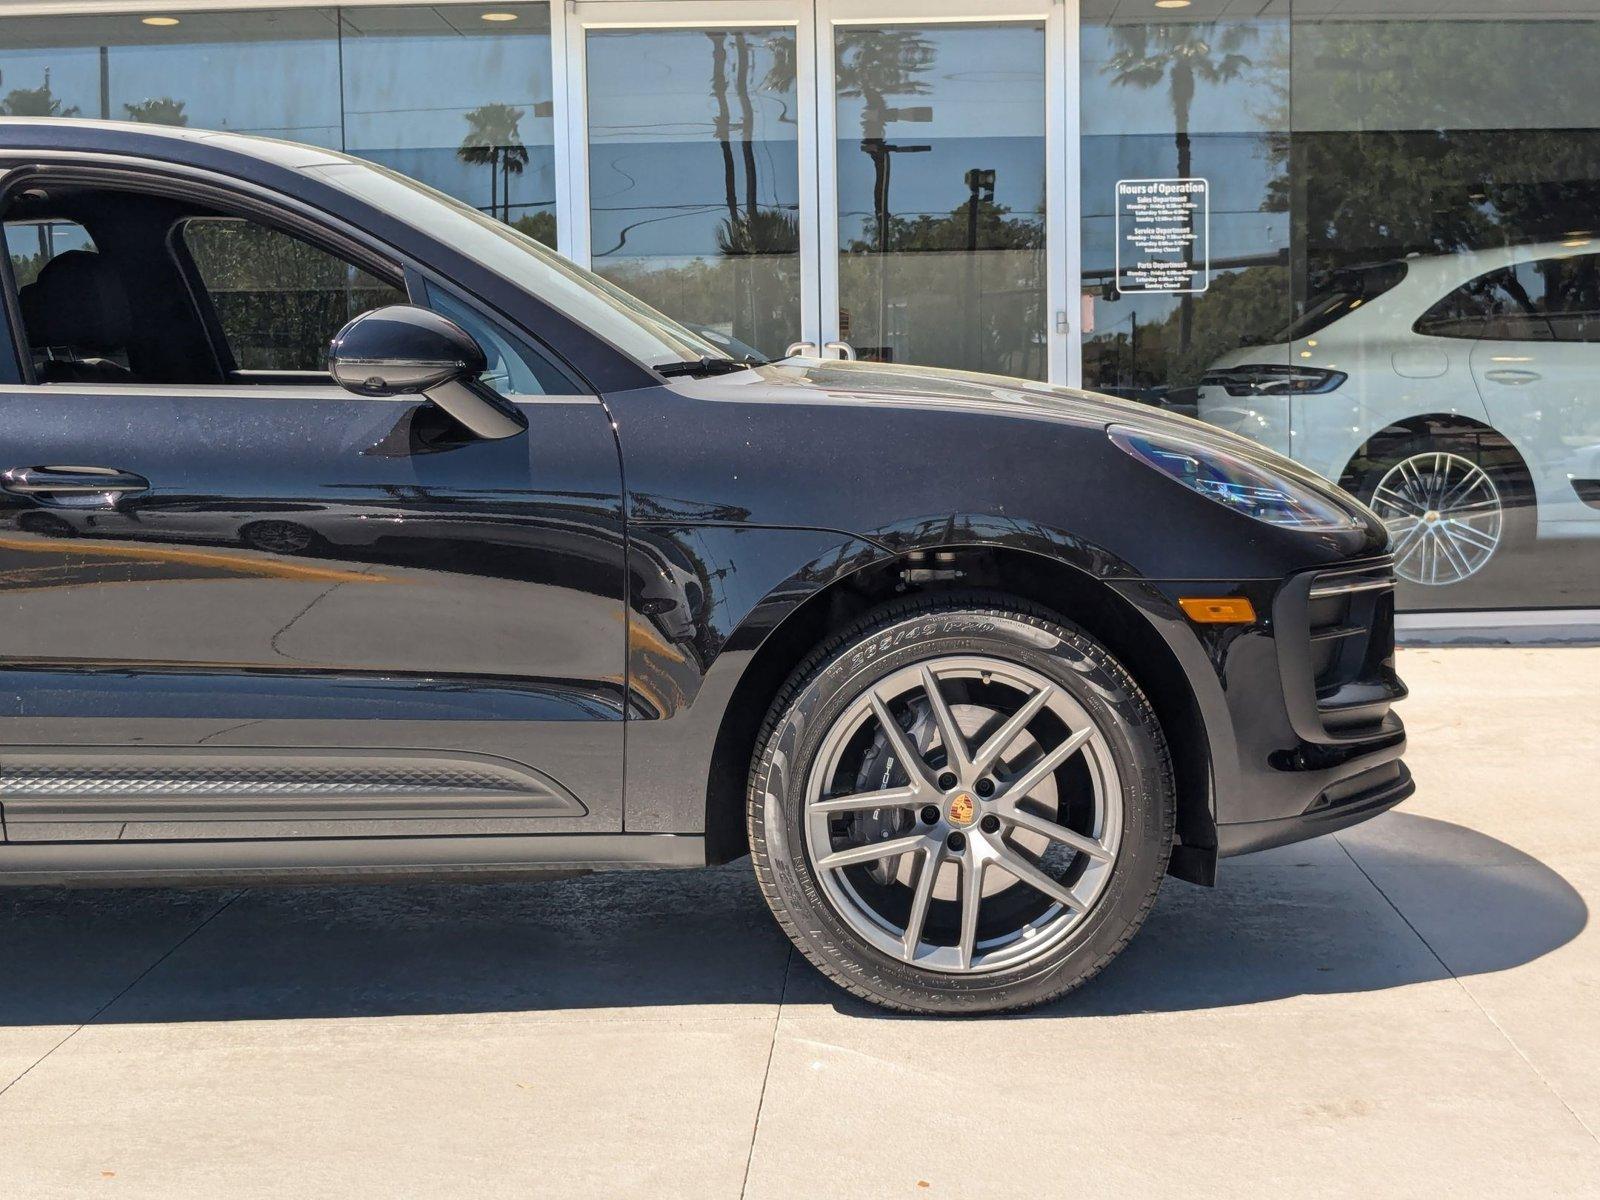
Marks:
<point>884,179</point>
<point>943,231</point>
<point>692,181</point>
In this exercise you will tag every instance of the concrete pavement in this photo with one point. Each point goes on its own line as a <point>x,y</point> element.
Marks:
<point>1410,1008</point>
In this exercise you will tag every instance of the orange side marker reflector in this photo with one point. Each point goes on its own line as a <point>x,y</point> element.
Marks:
<point>1214,610</point>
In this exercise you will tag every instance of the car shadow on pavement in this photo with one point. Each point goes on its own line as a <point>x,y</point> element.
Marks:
<point>1412,899</point>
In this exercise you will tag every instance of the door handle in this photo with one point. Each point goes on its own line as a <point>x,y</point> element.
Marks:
<point>843,349</point>
<point>71,481</point>
<point>806,349</point>
<point>1506,375</point>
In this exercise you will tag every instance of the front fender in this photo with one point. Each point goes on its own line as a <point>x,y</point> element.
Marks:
<point>702,599</point>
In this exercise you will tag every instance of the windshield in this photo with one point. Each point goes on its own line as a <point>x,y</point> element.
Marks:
<point>627,323</point>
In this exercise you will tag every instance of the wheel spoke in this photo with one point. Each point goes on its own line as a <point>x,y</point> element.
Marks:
<point>1452,554</point>
<point>1473,480</point>
<point>1407,505</point>
<point>916,768</point>
<point>955,745</point>
<point>1046,766</point>
<point>1473,536</point>
<point>1408,471</point>
<point>1407,544</point>
<point>1000,740</point>
<point>900,797</point>
<point>927,874</point>
<point>1026,872</point>
<point>971,900</point>
<point>871,852</point>
<point>1023,819</point>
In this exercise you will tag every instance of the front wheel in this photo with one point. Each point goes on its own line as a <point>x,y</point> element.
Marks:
<point>1449,514</point>
<point>961,807</point>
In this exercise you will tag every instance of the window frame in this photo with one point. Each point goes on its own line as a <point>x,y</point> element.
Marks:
<point>249,201</point>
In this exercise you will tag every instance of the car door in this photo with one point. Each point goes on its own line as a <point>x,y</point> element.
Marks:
<point>1534,364</point>
<point>237,601</point>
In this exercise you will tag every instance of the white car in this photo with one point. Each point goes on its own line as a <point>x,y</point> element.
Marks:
<point>1458,394</point>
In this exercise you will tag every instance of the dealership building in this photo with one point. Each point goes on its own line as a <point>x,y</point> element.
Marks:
<point>1363,232</point>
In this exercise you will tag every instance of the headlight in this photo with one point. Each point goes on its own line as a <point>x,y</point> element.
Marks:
<point>1233,481</point>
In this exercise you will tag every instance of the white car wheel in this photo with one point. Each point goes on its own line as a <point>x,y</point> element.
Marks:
<point>1445,516</point>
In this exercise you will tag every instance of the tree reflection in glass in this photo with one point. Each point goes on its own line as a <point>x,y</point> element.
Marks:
<point>941,195</point>
<point>694,178</point>
<point>494,140</point>
<point>1178,55</point>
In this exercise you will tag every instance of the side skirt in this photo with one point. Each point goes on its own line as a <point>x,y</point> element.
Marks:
<point>333,860</point>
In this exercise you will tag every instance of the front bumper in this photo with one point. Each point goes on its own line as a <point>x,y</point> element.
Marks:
<point>1346,803</point>
<point>1333,631</point>
<point>1297,708</point>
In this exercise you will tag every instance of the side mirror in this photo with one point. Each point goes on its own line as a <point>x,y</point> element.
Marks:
<point>403,350</point>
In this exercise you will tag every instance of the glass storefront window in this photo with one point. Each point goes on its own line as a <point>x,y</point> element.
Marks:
<point>1167,99</point>
<point>1396,260</point>
<point>941,170</point>
<point>439,93</point>
<point>274,73</point>
<point>694,186</point>
<point>462,102</point>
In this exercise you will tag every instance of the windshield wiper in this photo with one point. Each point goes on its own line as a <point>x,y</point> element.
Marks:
<point>702,367</point>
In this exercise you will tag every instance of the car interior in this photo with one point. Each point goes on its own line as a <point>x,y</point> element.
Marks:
<point>130,287</point>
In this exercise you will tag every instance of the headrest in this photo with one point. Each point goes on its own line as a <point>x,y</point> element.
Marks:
<point>77,302</point>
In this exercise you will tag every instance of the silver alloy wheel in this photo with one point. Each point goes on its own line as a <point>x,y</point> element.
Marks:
<point>974,818</point>
<point>1444,515</point>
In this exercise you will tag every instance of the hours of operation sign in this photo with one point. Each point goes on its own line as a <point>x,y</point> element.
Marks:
<point>1163,235</point>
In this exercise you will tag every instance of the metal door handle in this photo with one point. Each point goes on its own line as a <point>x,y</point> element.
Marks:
<point>804,349</point>
<point>843,349</point>
<point>69,481</point>
<point>1512,377</point>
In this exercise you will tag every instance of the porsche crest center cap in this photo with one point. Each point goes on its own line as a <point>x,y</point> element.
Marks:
<point>962,809</point>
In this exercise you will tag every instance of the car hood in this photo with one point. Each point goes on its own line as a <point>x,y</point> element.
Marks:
<point>889,384</point>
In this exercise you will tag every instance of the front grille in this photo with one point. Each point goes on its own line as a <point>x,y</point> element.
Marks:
<point>1336,647</point>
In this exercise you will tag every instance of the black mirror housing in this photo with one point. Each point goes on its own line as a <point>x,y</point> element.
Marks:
<point>404,350</point>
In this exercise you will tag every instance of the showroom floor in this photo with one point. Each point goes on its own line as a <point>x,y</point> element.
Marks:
<point>1408,1009</point>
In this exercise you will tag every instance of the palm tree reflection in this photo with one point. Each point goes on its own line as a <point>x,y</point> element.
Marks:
<point>494,140</point>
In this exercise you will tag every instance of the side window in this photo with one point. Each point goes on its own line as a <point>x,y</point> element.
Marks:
<point>31,244</point>
<point>76,329</point>
<point>1548,300</point>
<point>1572,297</point>
<point>1458,315</point>
<point>279,300</point>
<point>515,367</point>
<point>1496,298</point>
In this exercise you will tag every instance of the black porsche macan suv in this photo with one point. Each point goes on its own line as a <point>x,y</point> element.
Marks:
<point>347,533</point>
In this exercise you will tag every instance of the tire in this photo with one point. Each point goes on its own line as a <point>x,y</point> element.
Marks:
<point>1113,794</point>
<point>280,537</point>
<point>1432,546</point>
